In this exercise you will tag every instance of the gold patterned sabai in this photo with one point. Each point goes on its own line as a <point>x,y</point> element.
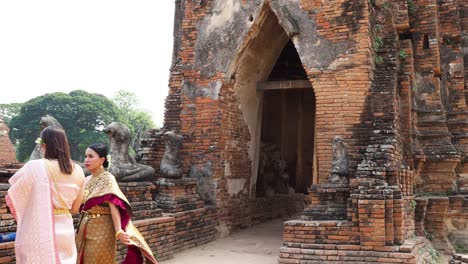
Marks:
<point>103,184</point>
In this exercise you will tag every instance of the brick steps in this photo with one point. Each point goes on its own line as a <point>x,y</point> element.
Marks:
<point>413,251</point>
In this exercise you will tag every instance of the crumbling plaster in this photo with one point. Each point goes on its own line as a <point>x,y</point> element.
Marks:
<point>220,37</point>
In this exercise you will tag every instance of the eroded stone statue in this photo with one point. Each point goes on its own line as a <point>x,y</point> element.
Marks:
<point>340,165</point>
<point>206,186</point>
<point>281,184</point>
<point>123,166</point>
<point>170,163</point>
<point>46,121</point>
<point>273,169</point>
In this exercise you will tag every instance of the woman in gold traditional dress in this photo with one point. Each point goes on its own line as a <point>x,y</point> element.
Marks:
<point>105,216</point>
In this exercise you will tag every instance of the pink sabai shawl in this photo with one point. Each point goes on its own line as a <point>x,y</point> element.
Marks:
<point>30,201</point>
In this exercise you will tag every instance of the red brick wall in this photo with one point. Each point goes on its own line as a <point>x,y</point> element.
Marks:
<point>153,148</point>
<point>321,232</point>
<point>211,125</point>
<point>7,221</point>
<point>341,93</point>
<point>175,232</point>
<point>414,251</point>
<point>8,253</point>
<point>425,23</point>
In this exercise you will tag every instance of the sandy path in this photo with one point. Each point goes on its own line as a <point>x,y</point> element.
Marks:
<point>257,245</point>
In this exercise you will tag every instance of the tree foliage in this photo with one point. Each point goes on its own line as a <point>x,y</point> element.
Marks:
<point>8,111</point>
<point>83,115</point>
<point>138,121</point>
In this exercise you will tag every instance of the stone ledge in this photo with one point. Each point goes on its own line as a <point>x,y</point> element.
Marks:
<point>176,182</point>
<point>329,188</point>
<point>325,223</point>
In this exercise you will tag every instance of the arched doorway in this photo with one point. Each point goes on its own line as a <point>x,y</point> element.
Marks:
<point>286,159</point>
<point>277,104</point>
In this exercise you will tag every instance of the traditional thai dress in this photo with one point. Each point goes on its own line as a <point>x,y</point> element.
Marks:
<point>45,232</point>
<point>96,241</point>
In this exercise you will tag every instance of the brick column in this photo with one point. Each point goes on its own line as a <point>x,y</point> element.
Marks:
<point>372,221</point>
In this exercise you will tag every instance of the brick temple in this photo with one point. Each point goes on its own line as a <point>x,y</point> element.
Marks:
<point>348,119</point>
<point>7,150</point>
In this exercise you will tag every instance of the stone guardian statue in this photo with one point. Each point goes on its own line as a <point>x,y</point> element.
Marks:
<point>170,164</point>
<point>340,165</point>
<point>122,165</point>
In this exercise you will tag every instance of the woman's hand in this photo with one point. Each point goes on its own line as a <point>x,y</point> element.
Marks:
<point>120,234</point>
<point>123,237</point>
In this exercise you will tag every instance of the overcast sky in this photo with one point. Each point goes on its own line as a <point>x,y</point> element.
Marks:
<point>100,46</point>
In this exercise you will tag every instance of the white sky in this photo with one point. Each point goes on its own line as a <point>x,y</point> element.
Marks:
<point>100,46</point>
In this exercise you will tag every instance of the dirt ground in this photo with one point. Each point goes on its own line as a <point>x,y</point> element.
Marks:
<point>257,245</point>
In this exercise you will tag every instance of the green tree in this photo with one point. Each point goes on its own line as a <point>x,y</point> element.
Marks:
<point>138,121</point>
<point>8,111</point>
<point>83,115</point>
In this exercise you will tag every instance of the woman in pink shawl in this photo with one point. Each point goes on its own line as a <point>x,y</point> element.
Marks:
<point>43,195</point>
<point>105,217</point>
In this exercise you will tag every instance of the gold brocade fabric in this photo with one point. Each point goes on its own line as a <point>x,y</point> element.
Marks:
<point>95,239</point>
<point>103,184</point>
<point>99,210</point>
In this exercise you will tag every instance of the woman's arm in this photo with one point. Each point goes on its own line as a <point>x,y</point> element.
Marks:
<point>79,199</point>
<point>119,233</point>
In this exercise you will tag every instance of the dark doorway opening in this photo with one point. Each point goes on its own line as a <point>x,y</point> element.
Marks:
<point>287,135</point>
